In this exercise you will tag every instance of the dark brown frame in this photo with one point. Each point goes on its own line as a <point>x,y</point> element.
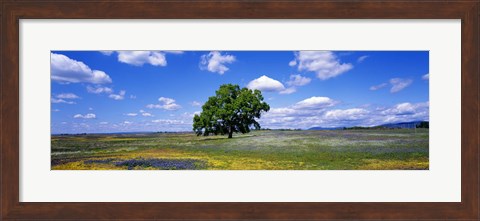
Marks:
<point>11,11</point>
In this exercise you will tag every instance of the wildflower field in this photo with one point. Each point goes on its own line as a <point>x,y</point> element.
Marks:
<point>369,149</point>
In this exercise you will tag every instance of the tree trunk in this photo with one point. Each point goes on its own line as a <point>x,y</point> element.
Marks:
<point>230,132</point>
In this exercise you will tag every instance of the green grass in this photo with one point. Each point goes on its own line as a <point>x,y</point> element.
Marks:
<point>398,149</point>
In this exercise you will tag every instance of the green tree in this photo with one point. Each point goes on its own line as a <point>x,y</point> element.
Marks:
<point>231,110</point>
<point>423,124</point>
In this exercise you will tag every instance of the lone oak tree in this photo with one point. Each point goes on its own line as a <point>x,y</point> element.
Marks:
<point>231,110</point>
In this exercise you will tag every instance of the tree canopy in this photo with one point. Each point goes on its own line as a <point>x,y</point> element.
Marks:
<point>231,110</point>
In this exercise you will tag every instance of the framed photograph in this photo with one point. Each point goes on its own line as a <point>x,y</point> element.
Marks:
<point>239,110</point>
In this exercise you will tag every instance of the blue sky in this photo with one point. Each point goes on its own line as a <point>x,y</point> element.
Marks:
<point>126,91</point>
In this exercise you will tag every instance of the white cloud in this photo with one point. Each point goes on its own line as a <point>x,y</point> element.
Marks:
<point>377,87</point>
<point>289,90</point>
<point>139,58</point>
<point>86,116</point>
<point>292,63</point>
<point>324,63</point>
<point>400,109</point>
<point>168,121</point>
<point>348,114</point>
<point>405,108</point>
<point>99,90</point>
<point>315,103</point>
<point>59,101</point>
<point>90,108</point>
<point>281,112</point>
<point>68,96</point>
<point>298,80</point>
<point>399,84</point>
<point>362,58</point>
<point>131,114</point>
<point>133,97</point>
<point>266,84</point>
<point>174,52</point>
<point>294,117</point>
<point>108,53</point>
<point>66,70</point>
<point>165,103</point>
<point>146,114</point>
<point>103,122</point>
<point>55,110</point>
<point>215,62</point>
<point>196,104</point>
<point>119,96</point>
<point>294,81</point>
<point>404,112</point>
<point>426,76</point>
<point>166,100</point>
<point>127,122</point>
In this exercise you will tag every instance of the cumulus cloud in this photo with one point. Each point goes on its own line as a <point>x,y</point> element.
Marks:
<point>377,87</point>
<point>119,96</point>
<point>266,84</point>
<point>426,77</point>
<point>168,121</point>
<point>108,53</point>
<point>298,80</point>
<point>315,103</point>
<point>86,116</point>
<point>297,115</point>
<point>399,84</point>
<point>174,52</point>
<point>196,104</point>
<point>216,62</point>
<point>165,103</point>
<point>348,114</point>
<point>405,108</point>
<point>139,58</point>
<point>66,70</point>
<point>362,58</point>
<point>106,90</point>
<point>404,112</point>
<point>68,96</point>
<point>294,117</point>
<point>60,101</point>
<point>99,90</point>
<point>146,114</point>
<point>141,112</point>
<point>324,63</point>
<point>289,90</point>
<point>292,63</point>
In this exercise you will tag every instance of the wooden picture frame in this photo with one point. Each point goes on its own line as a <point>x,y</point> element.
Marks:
<point>12,11</point>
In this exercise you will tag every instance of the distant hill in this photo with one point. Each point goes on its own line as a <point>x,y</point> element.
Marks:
<point>409,125</point>
<point>401,125</point>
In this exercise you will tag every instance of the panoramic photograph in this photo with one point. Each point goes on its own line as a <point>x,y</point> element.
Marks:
<point>239,110</point>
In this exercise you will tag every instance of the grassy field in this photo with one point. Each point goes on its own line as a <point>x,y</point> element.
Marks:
<point>395,149</point>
